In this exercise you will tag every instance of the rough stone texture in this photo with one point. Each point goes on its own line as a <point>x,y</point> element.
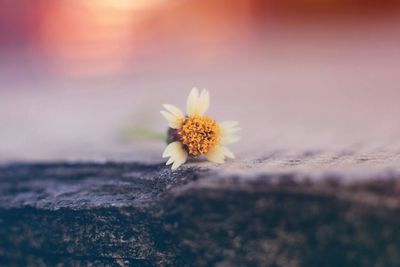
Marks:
<point>130,214</point>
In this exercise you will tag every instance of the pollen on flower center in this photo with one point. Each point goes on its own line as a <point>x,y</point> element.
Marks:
<point>199,135</point>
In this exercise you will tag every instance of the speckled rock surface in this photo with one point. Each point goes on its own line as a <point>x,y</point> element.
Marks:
<point>128,214</point>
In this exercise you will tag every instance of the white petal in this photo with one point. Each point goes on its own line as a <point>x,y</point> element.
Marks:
<point>170,161</point>
<point>204,102</point>
<point>168,116</point>
<point>228,130</point>
<point>177,154</point>
<point>191,103</point>
<point>174,111</point>
<point>180,158</point>
<point>173,121</point>
<point>227,152</point>
<point>229,127</point>
<point>172,149</point>
<point>216,155</point>
<point>197,104</point>
<point>228,138</point>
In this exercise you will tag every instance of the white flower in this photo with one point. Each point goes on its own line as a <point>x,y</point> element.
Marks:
<point>194,134</point>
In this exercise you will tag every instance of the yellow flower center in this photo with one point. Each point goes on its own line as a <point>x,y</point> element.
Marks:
<point>199,135</point>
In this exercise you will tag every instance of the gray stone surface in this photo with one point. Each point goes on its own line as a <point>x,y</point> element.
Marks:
<point>130,214</point>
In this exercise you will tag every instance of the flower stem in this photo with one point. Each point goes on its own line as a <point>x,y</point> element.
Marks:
<point>140,133</point>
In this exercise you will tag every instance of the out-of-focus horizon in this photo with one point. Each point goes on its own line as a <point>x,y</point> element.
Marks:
<point>299,75</point>
<point>109,36</point>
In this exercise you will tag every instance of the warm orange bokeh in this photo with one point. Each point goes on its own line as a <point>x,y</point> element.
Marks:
<point>85,37</point>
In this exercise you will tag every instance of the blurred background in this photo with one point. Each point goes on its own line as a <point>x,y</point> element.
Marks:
<point>301,76</point>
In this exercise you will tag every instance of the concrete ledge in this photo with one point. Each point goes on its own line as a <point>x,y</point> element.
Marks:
<point>119,214</point>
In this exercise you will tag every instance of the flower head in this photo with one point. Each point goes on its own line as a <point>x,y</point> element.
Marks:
<point>193,134</point>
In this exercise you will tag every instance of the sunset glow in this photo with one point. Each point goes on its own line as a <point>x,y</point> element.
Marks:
<point>125,4</point>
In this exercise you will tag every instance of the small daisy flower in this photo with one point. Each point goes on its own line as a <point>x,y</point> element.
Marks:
<point>193,134</point>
